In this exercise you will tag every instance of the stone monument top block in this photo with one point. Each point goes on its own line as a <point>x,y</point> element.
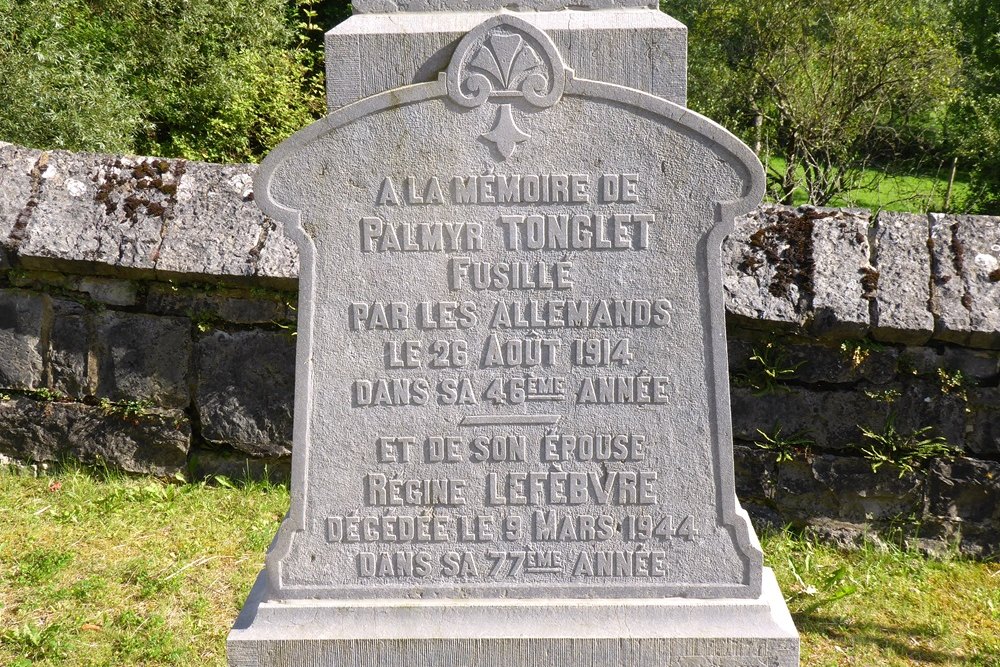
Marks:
<point>512,377</point>
<point>379,48</point>
<point>392,6</point>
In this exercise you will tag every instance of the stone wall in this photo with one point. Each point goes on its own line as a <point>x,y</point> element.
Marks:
<point>147,322</point>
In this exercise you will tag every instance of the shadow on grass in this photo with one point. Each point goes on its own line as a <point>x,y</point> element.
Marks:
<point>894,640</point>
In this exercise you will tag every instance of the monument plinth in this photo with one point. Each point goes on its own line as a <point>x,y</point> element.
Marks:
<point>512,435</point>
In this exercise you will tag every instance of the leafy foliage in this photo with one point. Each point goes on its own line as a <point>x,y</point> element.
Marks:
<point>832,86</point>
<point>219,80</point>
<point>975,126</point>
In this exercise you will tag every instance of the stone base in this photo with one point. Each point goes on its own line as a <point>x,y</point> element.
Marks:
<point>675,632</point>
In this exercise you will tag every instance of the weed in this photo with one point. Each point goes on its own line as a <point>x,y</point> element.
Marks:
<point>906,451</point>
<point>41,565</point>
<point>36,642</point>
<point>203,321</point>
<point>784,448</point>
<point>954,383</point>
<point>883,395</point>
<point>44,394</point>
<point>767,370</point>
<point>856,352</point>
<point>127,409</point>
<point>817,584</point>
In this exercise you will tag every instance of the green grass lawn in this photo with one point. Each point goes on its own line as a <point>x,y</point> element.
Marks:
<point>106,570</point>
<point>923,193</point>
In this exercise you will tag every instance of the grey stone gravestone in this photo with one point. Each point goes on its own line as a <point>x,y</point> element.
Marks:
<point>512,435</point>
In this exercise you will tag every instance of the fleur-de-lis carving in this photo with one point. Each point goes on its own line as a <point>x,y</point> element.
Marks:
<point>507,59</point>
<point>502,60</point>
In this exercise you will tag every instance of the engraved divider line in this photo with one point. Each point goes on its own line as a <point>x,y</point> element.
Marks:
<point>509,420</point>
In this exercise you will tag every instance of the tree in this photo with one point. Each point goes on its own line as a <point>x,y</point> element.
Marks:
<point>221,80</point>
<point>830,86</point>
<point>976,116</point>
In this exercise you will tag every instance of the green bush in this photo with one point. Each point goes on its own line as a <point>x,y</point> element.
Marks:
<point>221,80</point>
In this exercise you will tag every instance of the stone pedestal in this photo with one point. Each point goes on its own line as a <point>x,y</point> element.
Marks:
<point>672,632</point>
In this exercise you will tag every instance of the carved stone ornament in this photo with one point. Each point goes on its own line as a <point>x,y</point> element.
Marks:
<point>502,61</point>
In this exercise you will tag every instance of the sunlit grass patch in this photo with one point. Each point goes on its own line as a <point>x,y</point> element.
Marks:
<point>99,569</point>
<point>887,605</point>
<point>886,191</point>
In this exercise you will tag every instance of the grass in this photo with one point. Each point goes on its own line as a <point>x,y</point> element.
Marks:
<point>918,193</point>
<point>99,569</point>
<point>105,570</point>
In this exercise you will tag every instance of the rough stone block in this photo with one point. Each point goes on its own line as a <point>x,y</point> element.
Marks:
<point>215,229</point>
<point>16,192</point>
<point>25,319</point>
<point>239,307</point>
<point>245,390</point>
<point>767,265</point>
<point>844,488</point>
<point>98,209</point>
<point>863,495</point>
<point>70,371</point>
<point>756,475</point>
<point>60,209</point>
<point>966,279</point>
<point>109,290</point>
<point>924,403</point>
<point>143,357</point>
<point>964,494</point>
<point>975,365</point>
<point>842,273</point>
<point>984,436</point>
<point>902,297</point>
<point>829,419</point>
<point>155,442</point>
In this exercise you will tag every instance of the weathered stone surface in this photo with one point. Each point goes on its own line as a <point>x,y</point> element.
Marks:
<point>984,436</point>
<point>239,307</point>
<point>829,419</point>
<point>143,357</point>
<point>70,369</point>
<point>24,331</point>
<point>767,264</point>
<point>756,475</point>
<point>976,366</point>
<point>109,290</point>
<point>843,277</point>
<point>645,50</point>
<point>215,230</point>
<point>19,180</point>
<point>864,495</point>
<point>902,297</point>
<point>964,495</point>
<point>155,442</point>
<point>204,463</point>
<point>845,489</point>
<point>144,214</point>
<point>812,362</point>
<point>922,403</point>
<point>245,390</point>
<point>966,279</point>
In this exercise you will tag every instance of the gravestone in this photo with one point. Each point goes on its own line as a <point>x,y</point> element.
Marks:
<point>512,434</point>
